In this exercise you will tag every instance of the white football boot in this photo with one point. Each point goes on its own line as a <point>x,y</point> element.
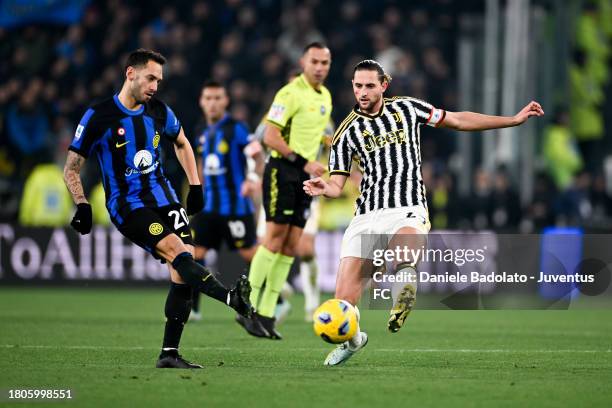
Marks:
<point>344,351</point>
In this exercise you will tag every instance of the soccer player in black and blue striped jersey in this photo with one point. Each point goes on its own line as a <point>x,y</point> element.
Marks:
<point>124,132</point>
<point>223,149</point>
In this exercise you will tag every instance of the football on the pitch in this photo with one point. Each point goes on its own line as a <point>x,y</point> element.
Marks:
<point>335,321</point>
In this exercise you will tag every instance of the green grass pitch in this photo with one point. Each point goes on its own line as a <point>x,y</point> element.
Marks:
<point>103,344</point>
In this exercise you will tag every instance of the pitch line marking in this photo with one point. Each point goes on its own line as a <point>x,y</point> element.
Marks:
<point>384,350</point>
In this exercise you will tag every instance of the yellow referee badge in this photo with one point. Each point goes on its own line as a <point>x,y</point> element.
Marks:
<point>156,140</point>
<point>156,228</point>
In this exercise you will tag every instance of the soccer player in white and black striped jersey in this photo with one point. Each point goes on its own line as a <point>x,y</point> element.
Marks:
<point>383,135</point>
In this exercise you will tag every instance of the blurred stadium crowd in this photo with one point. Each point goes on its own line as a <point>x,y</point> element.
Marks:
<point>50,73</point>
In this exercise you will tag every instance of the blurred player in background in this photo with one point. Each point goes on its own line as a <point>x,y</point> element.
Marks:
<point>298,115</point>
<point>223,149</point>
<point>385,135</point>
<point>124,132</point>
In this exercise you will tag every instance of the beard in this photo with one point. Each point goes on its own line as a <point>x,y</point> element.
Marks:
<point>370,105</point>
<point>139,96</point>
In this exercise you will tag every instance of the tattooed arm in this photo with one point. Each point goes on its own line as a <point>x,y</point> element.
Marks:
<point>72,177</point>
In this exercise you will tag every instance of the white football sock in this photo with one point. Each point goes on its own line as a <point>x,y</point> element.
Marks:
<point>308,275</point>
<point>355,342</point>
<point>211,261</point>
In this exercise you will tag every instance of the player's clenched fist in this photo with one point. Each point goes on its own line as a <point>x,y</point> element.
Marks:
<point>82,219</point>
<point>315,187</point>
<point>195,199</point>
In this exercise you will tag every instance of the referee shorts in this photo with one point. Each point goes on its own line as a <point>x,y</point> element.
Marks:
<point>284,199</point>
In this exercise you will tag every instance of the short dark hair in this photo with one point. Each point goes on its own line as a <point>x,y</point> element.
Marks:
<point>314,44</point>
<point>211,83</point>
<point>141,56</point>
<point>371,65</point>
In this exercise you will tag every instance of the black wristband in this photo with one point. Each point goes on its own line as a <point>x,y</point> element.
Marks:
<point>84,206</point>
<point>195,188</point>
<point>297,160</point>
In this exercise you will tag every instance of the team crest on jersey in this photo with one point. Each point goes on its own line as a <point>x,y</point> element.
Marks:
<point>156,228</point>
<point>121,131</point>
<point>323,110</point>
<point>222,147</point>
<point>156,140</point>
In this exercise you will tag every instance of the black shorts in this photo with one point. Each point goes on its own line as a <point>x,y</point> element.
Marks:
<point>285,201</point>
<point>211,229</point>
<point>146,226</point>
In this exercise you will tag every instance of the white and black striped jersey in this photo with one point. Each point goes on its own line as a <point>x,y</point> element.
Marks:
<point>387,147</point>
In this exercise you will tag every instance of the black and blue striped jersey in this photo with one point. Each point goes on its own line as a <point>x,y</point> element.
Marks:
<point>127,146</point>
<point>224,164</point>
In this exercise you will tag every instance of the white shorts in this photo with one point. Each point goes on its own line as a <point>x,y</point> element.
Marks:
<point>370,231</point>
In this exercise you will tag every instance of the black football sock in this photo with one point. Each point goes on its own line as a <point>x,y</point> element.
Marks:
<point>195,294</point>
<point>195,300</point>
<point>198,277</point>
<point>178,305</point>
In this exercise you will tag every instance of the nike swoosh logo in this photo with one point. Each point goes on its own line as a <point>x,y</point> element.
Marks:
<point>184,235</point>
<point>118,145</point>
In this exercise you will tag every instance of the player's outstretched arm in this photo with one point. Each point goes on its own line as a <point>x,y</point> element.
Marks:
<point>185,156</point>
<point>472,121</point>
<point>330,189</point>
<point>72,177</point>
<point>83,219</point>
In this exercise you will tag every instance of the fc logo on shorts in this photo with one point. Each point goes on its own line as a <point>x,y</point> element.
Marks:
<point>156,228</point>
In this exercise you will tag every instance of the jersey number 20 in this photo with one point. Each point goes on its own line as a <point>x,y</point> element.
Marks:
<point>177,218</point>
